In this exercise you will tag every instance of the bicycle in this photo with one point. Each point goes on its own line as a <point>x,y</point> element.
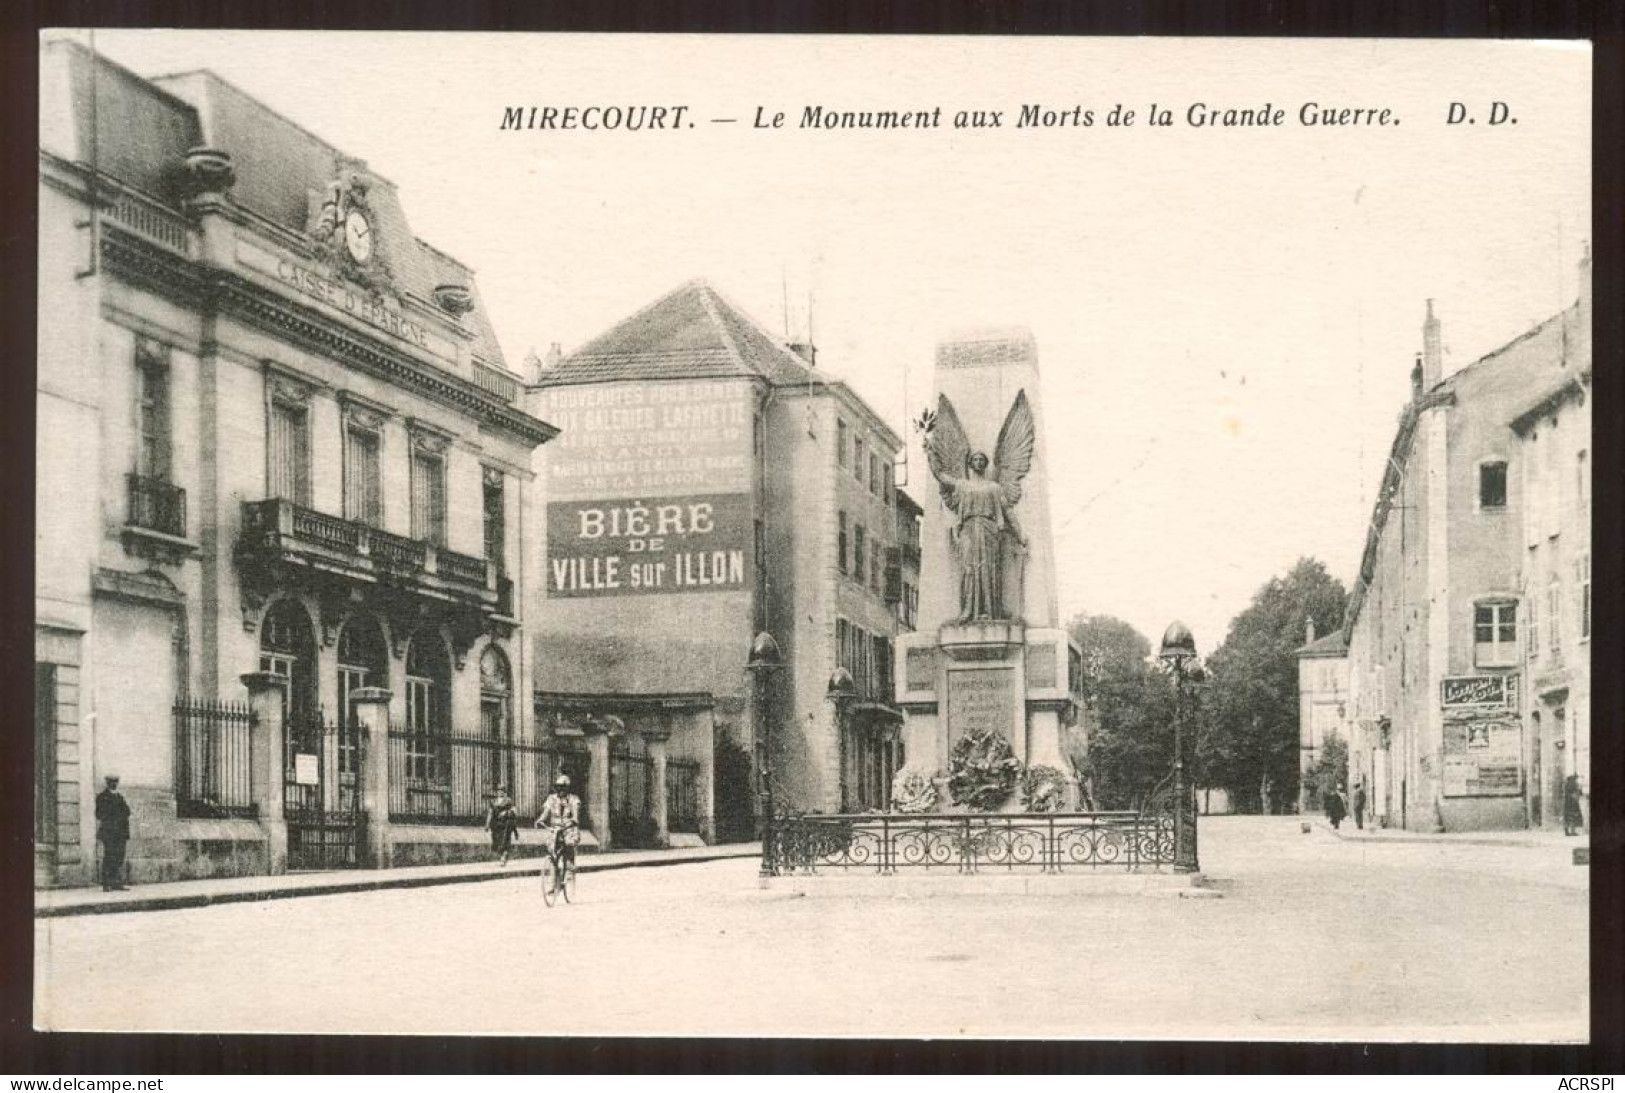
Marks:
<point>553,885</point>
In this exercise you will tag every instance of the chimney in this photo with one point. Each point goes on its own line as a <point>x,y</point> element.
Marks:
<point>1432,353</point>
<point>1416,379</point>
<point>554,356</point>
<point>806,351</point>
<point>1308,629</point>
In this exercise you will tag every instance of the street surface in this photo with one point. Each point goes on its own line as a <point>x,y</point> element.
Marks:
<point>1315,938</point>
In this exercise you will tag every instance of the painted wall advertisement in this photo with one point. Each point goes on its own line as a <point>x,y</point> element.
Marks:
<point>696,543</point>
<point>1483,756</point>
<point>1483,737</point>
<point>649,489</point>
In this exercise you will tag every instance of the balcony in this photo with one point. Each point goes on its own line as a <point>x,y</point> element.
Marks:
<point>155,505</point>
<point>281,538</point>
<point>496,381</point>
<point>155,520</point>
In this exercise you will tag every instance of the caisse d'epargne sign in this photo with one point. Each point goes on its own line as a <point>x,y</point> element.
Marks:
<point>697,543</point>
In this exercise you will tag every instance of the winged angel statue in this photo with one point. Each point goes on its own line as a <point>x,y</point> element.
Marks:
<point>983,504</point>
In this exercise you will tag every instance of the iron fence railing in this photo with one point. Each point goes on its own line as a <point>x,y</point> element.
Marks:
<point>450,778</point>
<point>156,505</point>
<point>214,760</point>
<point>1046,842</point>
<point>683,795</point>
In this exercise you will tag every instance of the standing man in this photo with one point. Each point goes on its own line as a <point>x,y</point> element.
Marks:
<point>1573,816</point>
<point>1359,806</point>
<point>1334,807</point>
<point>113,828</point>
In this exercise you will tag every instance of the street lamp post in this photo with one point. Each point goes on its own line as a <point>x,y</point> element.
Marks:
<point>764,659</point>
<point>1178,650</point>
<point>841,691</point>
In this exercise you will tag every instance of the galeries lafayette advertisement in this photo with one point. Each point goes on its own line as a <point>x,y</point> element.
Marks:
<point>649,489</point>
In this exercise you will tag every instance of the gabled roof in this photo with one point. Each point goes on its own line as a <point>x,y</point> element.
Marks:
<point>692,332</point>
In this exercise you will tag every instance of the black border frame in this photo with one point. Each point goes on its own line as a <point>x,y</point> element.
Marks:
<point>24,1051</point>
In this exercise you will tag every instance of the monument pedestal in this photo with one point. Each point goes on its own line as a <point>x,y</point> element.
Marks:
<point>988,676</point>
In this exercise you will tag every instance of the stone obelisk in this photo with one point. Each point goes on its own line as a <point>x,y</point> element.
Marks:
<point>1010,673</point>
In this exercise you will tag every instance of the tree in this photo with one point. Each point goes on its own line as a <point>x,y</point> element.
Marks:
<point>1331,770</point>
<point>1252,746</point>
<point>1131,710</point>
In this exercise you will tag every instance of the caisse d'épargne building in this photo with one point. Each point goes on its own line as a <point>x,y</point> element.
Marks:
<point>283,499</point>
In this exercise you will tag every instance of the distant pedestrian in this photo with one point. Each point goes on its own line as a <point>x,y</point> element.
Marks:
<point>1335,809</point>
<point>1359,806</point>
<point>1573,817</point>
<point>113,828</point>
<point>502,821</point>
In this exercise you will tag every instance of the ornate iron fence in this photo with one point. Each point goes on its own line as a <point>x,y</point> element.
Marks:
<point>683,795</point>
<point>439,778</point>
<point>214,760</point>
<point>1045,842</point>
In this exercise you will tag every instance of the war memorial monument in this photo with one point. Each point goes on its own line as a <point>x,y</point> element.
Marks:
<point>994,733</point>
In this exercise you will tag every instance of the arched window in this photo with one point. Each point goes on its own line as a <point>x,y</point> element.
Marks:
<point>363,662</point>
<point>288,649</point>
<point>428,706</point>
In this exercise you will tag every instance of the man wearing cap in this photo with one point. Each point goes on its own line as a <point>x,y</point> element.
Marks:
<point>561,816</point>
<point>113,828</point>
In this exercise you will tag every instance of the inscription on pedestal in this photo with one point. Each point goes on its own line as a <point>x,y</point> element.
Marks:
<point>981,699</point>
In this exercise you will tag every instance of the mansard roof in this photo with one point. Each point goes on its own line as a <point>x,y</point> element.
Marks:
<point>145,126</point>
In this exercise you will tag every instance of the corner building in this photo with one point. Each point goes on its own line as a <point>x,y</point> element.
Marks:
<point>709,483</point>
<point>1480,535</point>
<point>282,486</point>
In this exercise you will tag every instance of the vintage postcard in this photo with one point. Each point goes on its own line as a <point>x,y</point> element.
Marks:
<point>824,536</point>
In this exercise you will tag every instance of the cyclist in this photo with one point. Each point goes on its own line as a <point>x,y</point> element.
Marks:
<point>561,817</point>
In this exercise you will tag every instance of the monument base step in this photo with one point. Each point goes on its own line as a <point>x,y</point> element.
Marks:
<point>934,885</point>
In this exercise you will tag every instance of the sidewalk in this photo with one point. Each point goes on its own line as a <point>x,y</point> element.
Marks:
<point>56,902</point>
<point>1543,839</point>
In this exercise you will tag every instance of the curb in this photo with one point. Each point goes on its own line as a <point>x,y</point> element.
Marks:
<point>1439,840</point>
<point>369,883</point>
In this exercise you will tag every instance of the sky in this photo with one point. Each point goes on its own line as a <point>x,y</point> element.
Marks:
<point>1226,317</point>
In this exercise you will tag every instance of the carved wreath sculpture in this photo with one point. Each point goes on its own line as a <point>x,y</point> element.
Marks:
<point>913,791</point>
<point>1043,789</point>
<point>982,770</point>
<point>982,499</point>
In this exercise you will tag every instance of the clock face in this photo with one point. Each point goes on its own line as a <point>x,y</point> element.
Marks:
<point>358,236</point>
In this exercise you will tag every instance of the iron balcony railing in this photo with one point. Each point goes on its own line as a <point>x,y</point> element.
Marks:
<point>156,505</point>
<point>214,760</point>
<point>1044,842</point>
<point>280,524</point>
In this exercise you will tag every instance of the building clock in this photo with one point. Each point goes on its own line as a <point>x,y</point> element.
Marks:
<point>358,236</point>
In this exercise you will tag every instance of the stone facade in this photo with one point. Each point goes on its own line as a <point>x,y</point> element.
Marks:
<point>690,402</point>
<point>265,443</point>
<point>1439,621</point>
<point>1553,449</point>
